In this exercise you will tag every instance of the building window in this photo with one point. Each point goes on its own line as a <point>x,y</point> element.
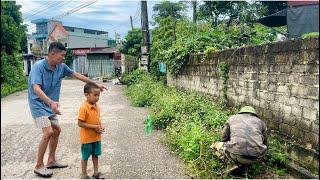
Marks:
<point>70,29</point>
<point>89,31</point>
<point>30,46</point>
<point>65,44</point>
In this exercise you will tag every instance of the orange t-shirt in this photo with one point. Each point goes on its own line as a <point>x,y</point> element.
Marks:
<point>89,114</point>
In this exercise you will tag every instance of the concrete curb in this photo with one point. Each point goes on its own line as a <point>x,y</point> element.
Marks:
<point>300,172</point>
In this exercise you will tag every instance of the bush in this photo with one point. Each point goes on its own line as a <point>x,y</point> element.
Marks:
<point>276,153</point>
<point>309,35</point>
<point>7,89</point>
<point>132,77</point>
<point>144,90</point>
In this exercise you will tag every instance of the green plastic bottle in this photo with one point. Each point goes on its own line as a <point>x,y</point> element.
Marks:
<point>149,125</point>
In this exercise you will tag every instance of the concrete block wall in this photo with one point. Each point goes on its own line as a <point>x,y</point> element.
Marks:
<point>281,80</point>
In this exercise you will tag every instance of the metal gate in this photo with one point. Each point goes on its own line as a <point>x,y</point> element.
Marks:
<point>80,65</point>
<point>100,65</point>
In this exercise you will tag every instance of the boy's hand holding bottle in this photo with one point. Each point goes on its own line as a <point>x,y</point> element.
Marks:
<point>102,129</point>
<point>99,129</point>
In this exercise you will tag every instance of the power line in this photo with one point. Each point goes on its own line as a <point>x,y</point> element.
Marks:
<point>44,10</point>
<point>136,15</point>
<point>41,7</point>
<point>59,4</point>
<point>74,10</point>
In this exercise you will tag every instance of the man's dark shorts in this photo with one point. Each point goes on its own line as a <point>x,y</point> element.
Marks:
<point>89,149</point>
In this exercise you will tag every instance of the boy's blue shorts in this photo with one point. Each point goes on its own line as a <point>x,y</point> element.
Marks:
<point>89,149</point>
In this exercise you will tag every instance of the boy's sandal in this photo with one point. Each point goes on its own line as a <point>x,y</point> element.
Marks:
<point>86,177</point>
<point>98,176</point>
<point>43,172</point>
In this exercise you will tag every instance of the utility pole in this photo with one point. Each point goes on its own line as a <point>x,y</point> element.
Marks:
<point>145,56</point>
<point>194,15</point>
<point>131,22</point>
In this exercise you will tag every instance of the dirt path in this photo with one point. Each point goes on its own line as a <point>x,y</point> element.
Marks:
<point>127,151</point>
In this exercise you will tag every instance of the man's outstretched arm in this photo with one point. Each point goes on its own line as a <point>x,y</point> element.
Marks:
<point>87,80</point>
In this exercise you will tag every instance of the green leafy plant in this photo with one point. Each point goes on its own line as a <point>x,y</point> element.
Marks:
<point>276,156</point>
<point>69,57</point>
<point>312,34</point>
<point>282,171</point>
<point>132,43</point>
<point>132,77</point>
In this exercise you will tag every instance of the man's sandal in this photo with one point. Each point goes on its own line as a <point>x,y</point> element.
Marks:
<point>86,177</point>
<point>56,165</point>
<point>43,172</point>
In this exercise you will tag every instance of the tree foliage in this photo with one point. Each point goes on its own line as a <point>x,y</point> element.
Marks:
<point>273,6</point>
<point>68,58</point>
<point>217,12</point>
<point>12,34</point>
<point>132,44</point>
<point>167,8</point>
<point>192,38</point>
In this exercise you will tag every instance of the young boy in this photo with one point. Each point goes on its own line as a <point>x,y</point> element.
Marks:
<point>90,130</point>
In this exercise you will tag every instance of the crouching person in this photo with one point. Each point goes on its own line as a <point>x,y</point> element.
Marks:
<point>244,140</point>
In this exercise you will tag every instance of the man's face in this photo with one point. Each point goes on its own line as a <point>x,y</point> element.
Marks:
<point>57,56</point>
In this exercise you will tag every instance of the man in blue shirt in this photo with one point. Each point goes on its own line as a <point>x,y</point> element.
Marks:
<point>43,95</point>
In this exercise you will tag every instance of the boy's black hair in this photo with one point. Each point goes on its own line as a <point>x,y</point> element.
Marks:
<point>56,46</point>
<point>89,86</point>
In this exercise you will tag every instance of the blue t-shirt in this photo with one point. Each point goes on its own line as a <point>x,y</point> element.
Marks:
<point>50,83</point>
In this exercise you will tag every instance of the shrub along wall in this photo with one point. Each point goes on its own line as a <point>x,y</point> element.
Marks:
<point>281,80</point>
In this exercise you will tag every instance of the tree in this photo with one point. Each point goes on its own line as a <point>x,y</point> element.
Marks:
<point>12,30</point>
<point>273,6</point>
<point>68,58</point>
<point>218,11</point>
<point>167,8</point>
<point>132,43</point>
<point>24,42</point>
<point>231,12</point>
<point>12,34</point>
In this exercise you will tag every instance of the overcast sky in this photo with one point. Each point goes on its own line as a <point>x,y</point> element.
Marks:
<point>107,15</point>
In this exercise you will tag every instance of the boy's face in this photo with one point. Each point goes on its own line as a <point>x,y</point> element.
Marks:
<point>93,95</point>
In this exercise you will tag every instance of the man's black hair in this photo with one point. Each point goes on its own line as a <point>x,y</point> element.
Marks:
<point>89,86</point>
<point>56,46</point>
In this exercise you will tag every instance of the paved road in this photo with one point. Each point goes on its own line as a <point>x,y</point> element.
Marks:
<point>127,151</point>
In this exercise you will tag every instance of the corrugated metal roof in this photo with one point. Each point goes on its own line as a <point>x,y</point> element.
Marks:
<point>105,51</point>
<point>301,3</point>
